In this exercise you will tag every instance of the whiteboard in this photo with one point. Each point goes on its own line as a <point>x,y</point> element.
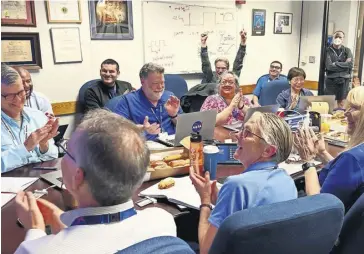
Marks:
<point>172,35</point>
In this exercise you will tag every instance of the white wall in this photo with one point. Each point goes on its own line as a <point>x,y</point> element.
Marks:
<point>344,16</point>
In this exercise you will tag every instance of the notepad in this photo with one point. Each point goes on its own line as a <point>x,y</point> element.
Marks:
<point>182,193</point>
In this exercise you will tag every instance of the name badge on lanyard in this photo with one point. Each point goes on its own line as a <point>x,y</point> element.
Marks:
<point>11,133</point>
<point>104,218</point>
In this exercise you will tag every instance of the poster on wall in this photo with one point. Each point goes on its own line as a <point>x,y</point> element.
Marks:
<point>111,20</point>
<point>18,13</point>
<point>21,49</point>
<point>282,23</point>
<point>258,22</point>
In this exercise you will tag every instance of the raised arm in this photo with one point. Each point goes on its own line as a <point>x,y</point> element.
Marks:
<point>206,65</point>
<point>238,62</point>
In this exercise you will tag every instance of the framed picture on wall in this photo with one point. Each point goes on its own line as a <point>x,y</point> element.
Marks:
<point>18,13</point>
<point>258,22</point>
<point>282,23</point>
<point>21,49</point>
<point>66,45</point>
<point>63,11</point>
<point>111,20</point>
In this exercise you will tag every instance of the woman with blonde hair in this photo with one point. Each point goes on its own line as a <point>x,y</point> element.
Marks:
<point>343,176</point>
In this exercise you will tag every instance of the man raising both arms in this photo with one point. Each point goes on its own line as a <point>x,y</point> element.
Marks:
<point>221,63</point>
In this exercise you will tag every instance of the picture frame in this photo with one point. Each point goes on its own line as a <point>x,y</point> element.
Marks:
<point>66,45</point>
<point>63,11</point>
<point>21,49</point>
<point>258,22</point>
<point>282,23</point>
<point>18,13</point>
<point>111,20</point>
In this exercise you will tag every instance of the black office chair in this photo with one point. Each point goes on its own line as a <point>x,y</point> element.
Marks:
<point>300,226</point>
<point>351,239</point>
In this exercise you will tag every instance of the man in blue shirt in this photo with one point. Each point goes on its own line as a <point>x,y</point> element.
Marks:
<point>26,133</point>
<point>263,143</point>
<point>275,70</point>
<point>153,109</point>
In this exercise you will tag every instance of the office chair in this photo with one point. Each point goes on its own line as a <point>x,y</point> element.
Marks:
<point>351,238</point>
<point>81,95</point>
<point>304,225</point>
<point>159,245</point>
<point>175,84</point>
<point>271,90</point>
<point>111,104</point>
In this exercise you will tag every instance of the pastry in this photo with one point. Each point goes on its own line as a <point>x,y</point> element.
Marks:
<point>172,157</point>
<point>162,167</point>
<point>154,164</point>
<point>179,163</point>
<point>166,183</point>
<point>149,169</point>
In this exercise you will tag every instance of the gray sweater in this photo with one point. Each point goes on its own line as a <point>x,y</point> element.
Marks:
<point>336,65</point>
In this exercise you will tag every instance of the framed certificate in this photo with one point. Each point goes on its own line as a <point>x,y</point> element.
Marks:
<point>63,11</point>
<point>282,23</point>
<point>18,13</point>
<point>66,45</point>
<point>21,49</point>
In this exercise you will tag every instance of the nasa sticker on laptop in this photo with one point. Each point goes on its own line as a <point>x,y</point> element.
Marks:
<point>197,126</point>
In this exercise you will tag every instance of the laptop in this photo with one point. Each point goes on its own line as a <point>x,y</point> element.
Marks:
<point>202,122</point>
<point>305,102</point>
<point>263,109</point>
<point>54,178</point>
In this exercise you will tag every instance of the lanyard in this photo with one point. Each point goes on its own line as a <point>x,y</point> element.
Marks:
<point>104,218</point>
<point>160,116</point>
<point>29,102</point>
<point>338,56</point>
<point>15,141</point>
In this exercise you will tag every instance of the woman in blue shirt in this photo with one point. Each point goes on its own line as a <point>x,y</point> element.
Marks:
<point>342,176</point>
<point>289,99</point>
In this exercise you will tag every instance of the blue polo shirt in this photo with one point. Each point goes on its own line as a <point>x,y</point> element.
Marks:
<point>260,184</point>
<point>264,80</point>
<point>344,176</point>
<point>135,106</point>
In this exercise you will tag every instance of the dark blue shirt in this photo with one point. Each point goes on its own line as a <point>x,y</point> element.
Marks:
<point>344,176</point>
<point>264,80</point>
<point>284,99</point>
<point>260,184</point>
<point>135,106</point>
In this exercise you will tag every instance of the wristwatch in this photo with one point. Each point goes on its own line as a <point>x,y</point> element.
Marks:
<point>206,205</point>
<point>307,165</point>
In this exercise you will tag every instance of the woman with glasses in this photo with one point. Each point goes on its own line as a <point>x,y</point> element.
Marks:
<point>265,141</point>
<point>344,175</point>
<point>230,103</point>
<point>289,99</point>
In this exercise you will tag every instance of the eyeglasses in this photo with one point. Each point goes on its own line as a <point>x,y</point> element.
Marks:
<point>275,67</point>
<point>228,82</point>
<point>244,133</point>
<point>11,96</point>
<point>298,79</point>
<point>66,152</point>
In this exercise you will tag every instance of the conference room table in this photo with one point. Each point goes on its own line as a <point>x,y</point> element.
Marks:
<point>186,219</point>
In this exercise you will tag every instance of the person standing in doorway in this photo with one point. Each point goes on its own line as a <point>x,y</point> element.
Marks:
<point>339,64</point>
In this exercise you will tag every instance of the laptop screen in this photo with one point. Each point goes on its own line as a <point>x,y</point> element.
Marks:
<point>62,130</point>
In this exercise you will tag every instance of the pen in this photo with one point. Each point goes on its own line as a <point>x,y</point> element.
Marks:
<point>45,168</point>
<point>8,192</point>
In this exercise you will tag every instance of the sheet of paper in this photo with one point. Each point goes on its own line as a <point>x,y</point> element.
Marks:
<point>293,168</point>
<point>15,184</point>
<point>5,198</point>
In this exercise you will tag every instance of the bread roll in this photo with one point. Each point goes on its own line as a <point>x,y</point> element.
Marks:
<point>162,167</point>
<point>166,183</point>
<point>154,164</point>
<point>172,157</point>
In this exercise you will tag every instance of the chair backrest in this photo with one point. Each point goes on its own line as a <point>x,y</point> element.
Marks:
<point>352,233</point>
<point>111,104</point>
<point>271,90</point>
<point>81,95</point>
<point>304,225</point>
<point>175,84</point>
<point>159,245</point>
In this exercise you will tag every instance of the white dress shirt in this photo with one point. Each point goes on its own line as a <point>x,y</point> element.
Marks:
<point>100,238</point>
<point>39,101</point>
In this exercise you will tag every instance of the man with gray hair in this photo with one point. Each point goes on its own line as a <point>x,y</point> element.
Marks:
<point>152,108</point>
<point>26,133</point>
<point>105,163</point>
<point>263,143</point>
